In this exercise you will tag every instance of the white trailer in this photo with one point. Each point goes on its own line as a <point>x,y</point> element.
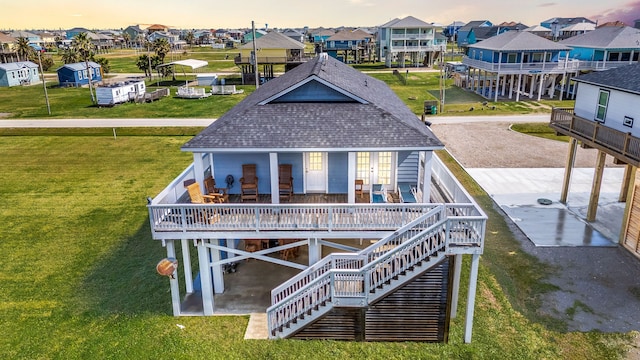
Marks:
<point>121,92</point>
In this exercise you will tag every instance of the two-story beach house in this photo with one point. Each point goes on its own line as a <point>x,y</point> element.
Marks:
<point>271,49</point>
<point>323,157</point>
<point>520,63</point>
<point>605,47</point>
<point>604,118</point>
<point>408,39</point>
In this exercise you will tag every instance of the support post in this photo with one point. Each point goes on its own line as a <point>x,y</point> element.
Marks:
<point>595,187</point>
<point>315,251</point>
<point>198,169</point>
<point>518,87</point>
<point>273,170</point>
<point>571,157</point>
<point>471,298</point>
<point>173,281</point>
<point>628,206</point>
<point>218,278</point>
<point>497,87</point>
<point>426,180</point>
<point>629,174</point>
<point>205,278</point>
<point>540,86</point>
<point>186,265</point>
<point>351,178</point>
<point>513,78</point>
<point>455,290</point>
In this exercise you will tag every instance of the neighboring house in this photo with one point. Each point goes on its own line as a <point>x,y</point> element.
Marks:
<point>134,31</point>
<point>157,27</point>
<point>248,36</point>
<point>76,74</point>
<point>294,34</point>
<point>409,39</point>
<point>604,118</point>
<point>273,48</point>
<point>172,39</point>
<point>540,31</point>
<point>329,128</point>
<point>451,30</point>
<point>557,24</point>
<point>605,47</point>
<point>466,36</point>
<point>19,73</point>
<point>349,46</point>
<point>71,33</point>
<point>320,35</point>
<point>7,43</point>
<point>48,38</point>
<point>576,29</point>
<point>517,62</point>
<point>34,39</point>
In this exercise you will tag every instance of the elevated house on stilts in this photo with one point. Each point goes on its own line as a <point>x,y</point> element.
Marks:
<point>323,157</point>
<point>517,64</point>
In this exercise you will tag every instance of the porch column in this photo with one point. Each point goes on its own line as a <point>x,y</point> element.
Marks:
<point>315,251</point>
<point>216,270</point>
<point>426,180</point>
<point>571,158</point>
<point>552,91</point>
<point>595,187</point>
<point>198,169</point>
<point>273,170</point>
<point>173,281</point>
<point>504,85</point>
<point>497,87</point>
<point>186,265</point>
<point>629,176</point>
<point>471,298</point>
<point>205,277</point>
<point>532,85</point>
<point>513,78</point>
<point>540,86</point>
<point>628,205</point>
<point>231,244</point>
<point>518,87</point>
<point>455,289</point>
<point>351,178</point>
<point>563,82</point>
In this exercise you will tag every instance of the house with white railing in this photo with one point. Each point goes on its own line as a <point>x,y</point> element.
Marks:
<point>518,63</point>
<point>409,39</point>
<point>605,48</point>
<point>323,157</point>
<point>604,119</point>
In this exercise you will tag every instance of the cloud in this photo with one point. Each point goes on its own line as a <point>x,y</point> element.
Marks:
<point>548,4</point>
<point>627,13</point>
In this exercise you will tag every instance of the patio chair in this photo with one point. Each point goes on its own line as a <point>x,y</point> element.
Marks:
<point>249,183</point>
<point>203,215</point>
<point>213,190</point>
<point>285,181</point>
<point>359,186</point>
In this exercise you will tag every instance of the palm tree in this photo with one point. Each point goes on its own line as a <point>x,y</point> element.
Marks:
<point>127,38</point>
<point>23,48</point>
<point>190,37</point>
<point>83,46</point>
<point>162,48</point>
<point>70,56</point>
<point>143,63</point>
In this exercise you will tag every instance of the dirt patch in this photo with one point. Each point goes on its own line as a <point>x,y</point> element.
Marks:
<point>4,115</point>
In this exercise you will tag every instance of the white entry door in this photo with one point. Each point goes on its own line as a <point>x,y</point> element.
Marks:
<point>316,171</point>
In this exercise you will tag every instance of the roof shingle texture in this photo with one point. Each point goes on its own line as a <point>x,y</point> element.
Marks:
<point>518,41</point>
<point>380,120</point>
<point>626,78</point>
<point>608,37</point>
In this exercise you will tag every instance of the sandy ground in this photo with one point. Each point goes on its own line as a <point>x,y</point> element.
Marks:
<point>598,286</point>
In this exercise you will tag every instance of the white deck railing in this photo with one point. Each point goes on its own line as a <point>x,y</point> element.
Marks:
<point>559,66</point>
<point>349,279</point>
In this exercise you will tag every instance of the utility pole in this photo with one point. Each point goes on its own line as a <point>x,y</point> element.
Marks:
<point>442,80</point>
<point>44,84</point>
<point>255,56</point>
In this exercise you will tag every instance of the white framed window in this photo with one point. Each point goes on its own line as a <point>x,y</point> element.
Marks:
<point>601,108</point>
<point>363,167</point>
<point>512,58</point>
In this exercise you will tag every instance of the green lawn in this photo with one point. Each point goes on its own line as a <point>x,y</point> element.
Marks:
<point>78,276</point>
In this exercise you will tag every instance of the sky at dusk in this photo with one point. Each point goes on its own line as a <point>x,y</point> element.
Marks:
<point>194,14</point>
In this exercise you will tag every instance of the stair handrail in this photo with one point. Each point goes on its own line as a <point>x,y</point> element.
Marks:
<point>329,262</point>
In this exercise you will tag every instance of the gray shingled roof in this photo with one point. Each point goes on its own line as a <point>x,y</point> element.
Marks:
<point>407,22</point>
<point>381,121</point>
<point>80,66</point>
<point>518,41</point>
<point>18,65</point>
<point>274,40</point>
<point>625,78</point>
<point>607,37</point>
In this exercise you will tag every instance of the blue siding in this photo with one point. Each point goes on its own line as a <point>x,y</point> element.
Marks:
<point>313,91</point>
<point>70,76</point>
<point>407,167</point>
<point>337,173</point>
<point>231,164</point>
